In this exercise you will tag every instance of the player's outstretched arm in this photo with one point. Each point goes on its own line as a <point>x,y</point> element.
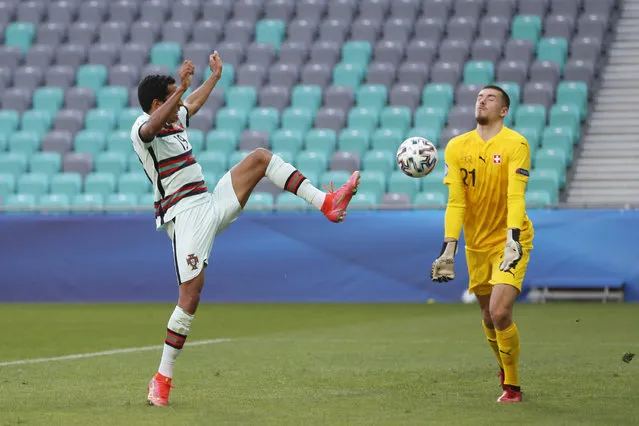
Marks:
<point>160,116</point>
<point>195,100</point>
<point>443,268</point>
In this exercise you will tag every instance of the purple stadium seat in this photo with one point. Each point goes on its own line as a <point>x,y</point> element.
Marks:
<point>78,162</point>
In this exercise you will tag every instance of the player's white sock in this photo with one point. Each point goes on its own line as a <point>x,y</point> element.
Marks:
<point>176,332</point>
<point>287,177</point>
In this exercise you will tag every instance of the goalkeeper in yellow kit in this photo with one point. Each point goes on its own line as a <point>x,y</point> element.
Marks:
<point>486,172</point>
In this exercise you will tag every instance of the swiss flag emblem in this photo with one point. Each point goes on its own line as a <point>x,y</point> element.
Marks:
<point>496,158</point>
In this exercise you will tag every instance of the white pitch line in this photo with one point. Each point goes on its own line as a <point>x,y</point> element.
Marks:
<point>105,353</point>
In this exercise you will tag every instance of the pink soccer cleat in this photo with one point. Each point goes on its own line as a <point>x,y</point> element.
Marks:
<point>159,388</point>
<point>336,202</point>
<point>510,395</point>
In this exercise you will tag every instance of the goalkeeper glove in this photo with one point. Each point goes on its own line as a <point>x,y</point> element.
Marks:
<point>443,268</point>
<point>512,251</point>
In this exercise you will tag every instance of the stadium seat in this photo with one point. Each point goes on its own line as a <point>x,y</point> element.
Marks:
<point>321,140</point>
<point>260,202</point>
<point>231,119</point>
<point>438,95</point>
<point>356,52</point>
<point>227,79</point>
<point>271,31</point>
<point>15,203</point>
<point>9,121</point>
<point>298,119</point>
<point>23,141</point>
<point>386,139</point>
<point>166,54</point>
<point>398,118</point>
<point>287,140</point>
<point>528,27</point>
<point>7,185</point>
<point>348,74</point>
<point>553,49</point>
<point>120,203</point>
<point>430,117</point>
<point>287,201</point>
<point>312,162</point>
<point>307,97</point>
<point>48,99</point>
<point>371,95</point>
<point>196,139</point>
<point>363,118</point>
<point>112,98</point>
<point>47,163</point>
<point>264,119</point>
<point>241,97</point>
<point>573,93</point>
<point>429,199</point>
<point>20,35</point>
<point>538,198</point>
<point>100,183</point>
<point>382,161</point>
<point>119,141</point>
<point>354,140</point>
<point>566,115</point>
<point>37,121</point>
<point>398,182</point>
<point>89,141</point>
<point>33,183</point>
<point>100,120</point>
<point>133,183</point>
<point>372,182</point>
<point>87,203</point>
<point>532,116</point>
<point>479,72</point>
<point>91,76</point>
<point>431,133</point>
<point>214,161</point>
<point>364,200</point>
<point>544,181</point>
<point>110,162</point>
<point>53,203</point>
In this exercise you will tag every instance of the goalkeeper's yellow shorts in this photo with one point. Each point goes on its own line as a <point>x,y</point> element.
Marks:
<point>484,273</point>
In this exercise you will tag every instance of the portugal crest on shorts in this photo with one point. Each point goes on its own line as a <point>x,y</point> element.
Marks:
<point>192,261</point>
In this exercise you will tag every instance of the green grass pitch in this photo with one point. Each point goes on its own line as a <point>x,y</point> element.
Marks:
<point>319,364</point>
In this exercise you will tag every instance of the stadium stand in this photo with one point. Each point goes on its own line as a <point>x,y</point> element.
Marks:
<point>330,85</point>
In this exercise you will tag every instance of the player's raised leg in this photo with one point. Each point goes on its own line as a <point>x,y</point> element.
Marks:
<point>501,313</point>
<point>247,174</point>
<point>489,331</point>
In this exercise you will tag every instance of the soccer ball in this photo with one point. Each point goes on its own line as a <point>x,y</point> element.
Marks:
<point>417,157</point>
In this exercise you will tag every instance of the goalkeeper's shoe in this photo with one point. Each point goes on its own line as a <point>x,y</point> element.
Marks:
<point>336,202</point>
<point>510,395</point>
<point>159,389</point>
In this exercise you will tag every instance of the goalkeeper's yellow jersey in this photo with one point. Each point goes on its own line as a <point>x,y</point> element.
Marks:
<point>487,183</point>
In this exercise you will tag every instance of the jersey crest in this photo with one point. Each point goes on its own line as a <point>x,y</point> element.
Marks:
<point>496,158</point>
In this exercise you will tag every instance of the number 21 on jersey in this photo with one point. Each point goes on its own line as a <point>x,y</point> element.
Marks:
<point>468,177</point>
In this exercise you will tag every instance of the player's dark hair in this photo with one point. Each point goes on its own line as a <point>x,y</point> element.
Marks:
<point>504,95</point>
<point>152,87</point>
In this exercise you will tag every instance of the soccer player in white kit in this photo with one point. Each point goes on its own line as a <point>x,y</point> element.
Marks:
<point>184,208</point>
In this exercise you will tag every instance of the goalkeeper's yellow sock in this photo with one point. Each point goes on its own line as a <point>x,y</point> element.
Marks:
<point>508,341</point>
<point>491,336</point>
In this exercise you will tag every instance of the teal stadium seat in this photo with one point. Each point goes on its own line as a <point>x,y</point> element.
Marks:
<point>260,202</point>
<point>47,163</point>
<point>540,181</point>
<point>356,52</point>
<point>227,79</point>
<point>196,139</point>
<point>338,177</point>
<point>479,72</point>
<point>113,98</point>
<point>13,163</point>
<point>429,199</point>
<point>514,93</point>
<point>363,118</point>
<point>364,201</point>
<point>9,121</point>
<point>4,142</point>
<point>7,185</point>
<point>300,119</point>
<point>573,93</point>
<point>87,203</point>
<point>166,54</point>
<point>287,201</point>
<point>538,199</point>
<point>381,161</point>
<point>33,183</point>
<point>54,203</point>
<point>553,49</point>
<point>438,95</point>
<point>134,183</point>
<point>241,97</point>
<point>533,116</point>
<point>561,138</point>
<point>110,162</point>
<point>231,119</point>
<point>386,140</point>
<point>396,117</point>
<point>348,74</point>
<point>527,27</point>
<point>23,141</point>
<point>566,116</point>
<point>270,31</point>
<point>430,118</point>
<point>430,133</point>
<point>101,120</point>
<point>354,140</point>
<point>119,141</point>
<point>92,77</point>
<point>236,157</point>
<point>126,117</point>
<point>49,99</point>
<point>287,140</point>
<point>120,203</point>
<point>372,96</point>
<point>321,140</point>
<point>264,119</point>
<point>224,141</point>
<point>19,203</point>
<point>214,161</point>
<point>400,183</point>
<point>20,35</point>
<point>100,183</point>
<point>306,97</point>
<point>312,162</point>
<point>37,121</point>
<point>372,182</point>
<point>89,141</point>
<point>69,183</point>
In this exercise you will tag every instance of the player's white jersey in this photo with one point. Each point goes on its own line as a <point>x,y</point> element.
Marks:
<point>169,163</point>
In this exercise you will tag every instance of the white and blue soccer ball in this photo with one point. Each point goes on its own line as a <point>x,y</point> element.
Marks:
<point>417,157</point>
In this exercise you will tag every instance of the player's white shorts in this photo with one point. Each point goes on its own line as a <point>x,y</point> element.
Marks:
<point>192,231</point>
